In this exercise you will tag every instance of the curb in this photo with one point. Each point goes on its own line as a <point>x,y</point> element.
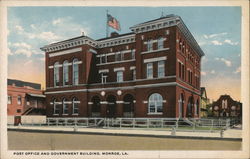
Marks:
<point>121,134</point>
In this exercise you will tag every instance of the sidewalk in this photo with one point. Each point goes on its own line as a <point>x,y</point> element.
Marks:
<point>228,134</point>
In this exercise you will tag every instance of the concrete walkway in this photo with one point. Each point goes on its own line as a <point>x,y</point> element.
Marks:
<point>228,134</point>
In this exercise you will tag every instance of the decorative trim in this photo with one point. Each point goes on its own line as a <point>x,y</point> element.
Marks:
<point>51,67</point>
<point>68,102</point>
<point>116,41</point>
<point>103,102</point>
<point>119,102</point>
<point>93,51</point>
<point>119,69</point>
<point>103,70</point>
<point>155,59</point>
<point>108,63</point>
<point>132,67</point>
<point>78,62</point>
<point>90,103</point>
<point>155,113</point>
<point>65,52</point>
<point>152,51</point>
<point>145,101</point>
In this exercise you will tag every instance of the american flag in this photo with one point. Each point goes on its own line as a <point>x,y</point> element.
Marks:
<point>112,22</point>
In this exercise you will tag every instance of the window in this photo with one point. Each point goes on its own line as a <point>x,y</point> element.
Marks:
<point>18,110</point>
<point>65,107</point>
<point>149,70</point>
<point>104,77</point>
<point>118,56</point>
<point>183,71</point>
<point>133,54</point>
<point>160,43</point>
<point>9,99</point>
<point>134,74</point>
<point>56,107</point>
<point>75,72</point>
<point>103,59</point>
<point>161,69</point>
<point>155,103</point>
<point>119,76</point>
<point>150,45</point>
<point>19,100</point>
<point>75,106</point>
<point>56,74</point>
<point>65,73</point>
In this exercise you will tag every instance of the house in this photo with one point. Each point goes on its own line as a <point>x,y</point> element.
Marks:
<point>152,71</point>
<point>225,106</point>
<point>25,98</point>
<point>204,103</point>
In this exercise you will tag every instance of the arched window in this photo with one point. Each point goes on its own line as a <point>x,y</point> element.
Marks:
<point>56,107</point>
<point>75,72</point>
<point>160,43</point>
<point>65,107</point>
<point>56,74</point>
<point>155,103</point>
<point>75,106</point>
<point>65,72</point>
<point>150,45</point>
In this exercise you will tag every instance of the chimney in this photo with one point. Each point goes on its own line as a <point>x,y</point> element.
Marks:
<point>114,34</point>
<point>82,33</point>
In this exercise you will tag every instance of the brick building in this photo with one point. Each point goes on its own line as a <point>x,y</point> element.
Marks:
<point>225,106</point>
<point>153,71</point>
<point>25,98</point>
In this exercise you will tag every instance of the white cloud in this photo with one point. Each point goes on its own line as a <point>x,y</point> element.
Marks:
<point>21,45</point>
<point>212,72</point>
<point>238,70</point>
<point>214,35</point>
<point>228,63</point>
<point>33,26</point>
<point>48,36</point>
<point>19,29</point>
<point>230,42</point>
<point>26,52</point>
<point>28,63</point>
<point>203,73</point>
<point>42,59</point>
<point>216,42</point>
<point>57,21</point>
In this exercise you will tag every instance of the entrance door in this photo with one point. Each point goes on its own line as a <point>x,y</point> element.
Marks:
<point>111,107</point>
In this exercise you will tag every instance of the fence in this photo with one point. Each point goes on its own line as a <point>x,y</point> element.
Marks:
<point>160,123</point>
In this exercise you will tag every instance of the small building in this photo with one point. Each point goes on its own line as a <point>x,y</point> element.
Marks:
<point>204,103</point>
<point>225,106</point>
<point>25,98</point>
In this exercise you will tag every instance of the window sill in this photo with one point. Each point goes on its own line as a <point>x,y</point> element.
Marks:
<point>56,114</point>
<point>155,113</point>
<point>75,114</point>
<point>152,51</point>
<point>65,114</point>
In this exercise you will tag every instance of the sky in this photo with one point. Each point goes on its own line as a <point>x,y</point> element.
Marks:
<point>216,29</point>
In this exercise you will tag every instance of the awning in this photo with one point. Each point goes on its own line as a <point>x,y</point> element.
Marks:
<point>36,95</point>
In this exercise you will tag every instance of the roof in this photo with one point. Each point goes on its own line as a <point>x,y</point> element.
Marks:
<point>36,95</point>
<point>163,17</point>
<point>19,83</point>
<point>120,35</point>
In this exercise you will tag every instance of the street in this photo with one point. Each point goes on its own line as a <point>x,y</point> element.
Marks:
<point>59,141</point>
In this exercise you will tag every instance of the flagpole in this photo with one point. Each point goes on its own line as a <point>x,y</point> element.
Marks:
<point>107,27</point>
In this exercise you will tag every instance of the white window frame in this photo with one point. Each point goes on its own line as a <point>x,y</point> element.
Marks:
<point>155,100</point>
<point>132,54</point>
<point>104,77</point>
<point>56,108</point>
<point>161,69</point>
<point>134,74</point>
<point>65,107</point>
<point>65,72</point>
<point>150,71</point>
<point>160,43</point>
<point>9,99</point>
<point>75,106</point>
<point>150,45</point>
<point>56,74</point>
<point>19,100</point>
<point>74,66</point>
<point>119,76</point>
